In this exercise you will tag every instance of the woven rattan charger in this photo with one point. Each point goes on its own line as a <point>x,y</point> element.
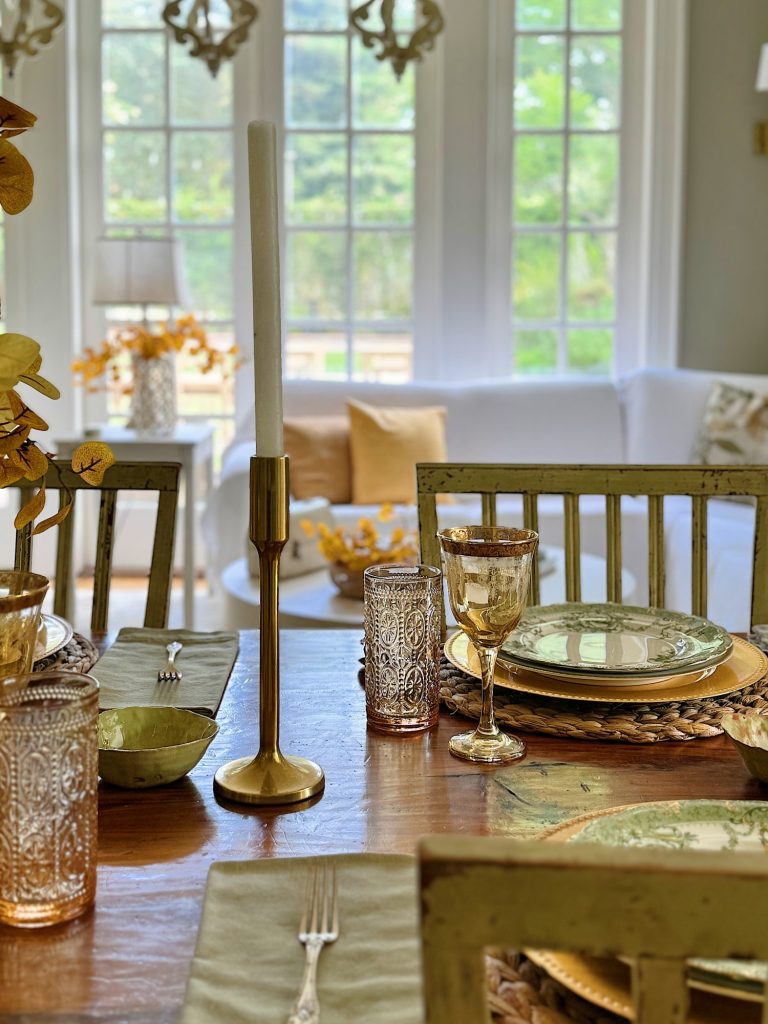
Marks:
<point>79,655</point>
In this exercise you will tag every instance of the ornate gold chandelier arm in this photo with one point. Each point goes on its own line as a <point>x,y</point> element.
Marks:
<point>422,38</point>
<point>203,43</point>
<point>28,41</point>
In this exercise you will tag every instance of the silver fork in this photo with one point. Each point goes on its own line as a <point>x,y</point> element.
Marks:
<point>319,926</point>
<point>170,674</point>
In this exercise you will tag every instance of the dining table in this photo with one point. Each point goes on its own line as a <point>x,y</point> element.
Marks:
<point>127,960</point>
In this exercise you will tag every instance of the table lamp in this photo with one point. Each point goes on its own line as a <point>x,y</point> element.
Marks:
<point>139,272</point>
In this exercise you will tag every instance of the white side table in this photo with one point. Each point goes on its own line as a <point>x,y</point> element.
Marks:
<point>191,444</point>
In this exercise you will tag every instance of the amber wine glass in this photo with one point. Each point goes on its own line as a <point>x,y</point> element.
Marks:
<point>488,569</point>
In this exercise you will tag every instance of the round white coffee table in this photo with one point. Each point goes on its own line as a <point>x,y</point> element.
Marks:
<point>313,602</point>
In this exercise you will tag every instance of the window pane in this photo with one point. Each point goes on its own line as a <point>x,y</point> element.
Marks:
<point>202,176</point>
<point>315,81</point>
<point>379,100</point>
<point>197,97</point>
<point>590,351</point>
<point>535,351</point>
<point>538,181</point>
<point>206,394</point>
<point>209,270</point>
<point>134,176</point>
<point>383,275</point>
<point>540,14</point>
<point>129,13</point>
<point>316,14</point>
<point>316,354</point>
<point>594,184</point>
<point>316,179</point>
<point>540,82</point>
<point>130,97</point>
<point>599,14</point>
<point>595,81</point>
<point>591,265</point>
<point>536,290</point>
<point>382,357</point>
<point>383,179</point>
<point>317,275</point>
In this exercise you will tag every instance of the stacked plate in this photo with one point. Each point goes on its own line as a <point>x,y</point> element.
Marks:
<point>617,653</point>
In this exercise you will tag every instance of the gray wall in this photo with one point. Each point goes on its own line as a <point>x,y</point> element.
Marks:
<point>725,241</point>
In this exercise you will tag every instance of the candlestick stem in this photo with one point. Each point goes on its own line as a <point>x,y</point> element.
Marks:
<point>271,777</point>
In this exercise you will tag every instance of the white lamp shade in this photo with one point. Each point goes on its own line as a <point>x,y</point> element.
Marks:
<point>762,70</point>
<point>139,271</point>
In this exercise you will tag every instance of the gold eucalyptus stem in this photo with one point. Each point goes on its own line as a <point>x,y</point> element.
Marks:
<point>487,726</point>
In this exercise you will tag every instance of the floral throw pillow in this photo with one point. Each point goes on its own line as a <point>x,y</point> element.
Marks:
<point>734,431</point>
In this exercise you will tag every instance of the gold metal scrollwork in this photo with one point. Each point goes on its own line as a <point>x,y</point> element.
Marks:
<point>32,30</point>
<point>197,28</point>
<point>422,38</point>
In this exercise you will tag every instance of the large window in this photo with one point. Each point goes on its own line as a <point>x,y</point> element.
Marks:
<point>565,184</point>
<point>349,201</point>
<point>167,134</point>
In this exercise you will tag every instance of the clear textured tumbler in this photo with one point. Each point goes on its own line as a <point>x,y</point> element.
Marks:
<point>402,647</point>
<point>21,598</point>
<point>48,785</point>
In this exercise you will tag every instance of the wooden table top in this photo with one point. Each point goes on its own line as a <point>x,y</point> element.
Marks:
<point>128,960</point>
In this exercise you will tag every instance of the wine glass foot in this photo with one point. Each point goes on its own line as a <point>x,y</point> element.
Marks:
<point>498,749</point>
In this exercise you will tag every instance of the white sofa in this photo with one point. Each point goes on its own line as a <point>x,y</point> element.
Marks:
<point>651,416</point>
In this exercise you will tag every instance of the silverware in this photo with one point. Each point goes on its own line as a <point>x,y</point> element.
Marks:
<point>319,926</point>
<point>170,674</point>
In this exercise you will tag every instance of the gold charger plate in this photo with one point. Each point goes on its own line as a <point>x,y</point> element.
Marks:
<point>745,666</point>
<point>607,982</point>
<point>53,634</point>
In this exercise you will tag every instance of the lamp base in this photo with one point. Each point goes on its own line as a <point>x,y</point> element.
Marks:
<point>269,779</point>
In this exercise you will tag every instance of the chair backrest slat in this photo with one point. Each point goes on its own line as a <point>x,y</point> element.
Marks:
<point>656,569</point>
<point>64,547</point>
<point>699,554</point>
<point>612,482</point>
<point>161,477</point>
<point>572,547</point>
<point>660,985</point>
<point>531,522</point>
<point>102,575</point>
<point>613,586</point>
<point>488,509</point>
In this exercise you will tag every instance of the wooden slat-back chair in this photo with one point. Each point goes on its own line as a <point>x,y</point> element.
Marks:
<point>658,907</point>
<point>654,482</point>
<point>162,477</point>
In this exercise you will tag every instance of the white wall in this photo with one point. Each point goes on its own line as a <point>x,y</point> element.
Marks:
<point>725,254</point>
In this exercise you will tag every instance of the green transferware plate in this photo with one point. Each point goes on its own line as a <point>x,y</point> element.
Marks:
<point>693,825</point>
<point>615,640</point>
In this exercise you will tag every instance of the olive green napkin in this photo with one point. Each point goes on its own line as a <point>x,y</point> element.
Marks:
<point>248,963</point>
<point>127,673</point>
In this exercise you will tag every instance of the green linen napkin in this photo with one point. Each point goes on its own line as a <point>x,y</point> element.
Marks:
<point>248,963</point>
<point>127,673</point>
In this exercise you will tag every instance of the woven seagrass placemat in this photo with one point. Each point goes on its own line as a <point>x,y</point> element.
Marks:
<point>79,655</point>
<point>592,720</point>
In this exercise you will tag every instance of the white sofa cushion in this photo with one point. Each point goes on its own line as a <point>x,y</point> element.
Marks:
<point>663,411</point>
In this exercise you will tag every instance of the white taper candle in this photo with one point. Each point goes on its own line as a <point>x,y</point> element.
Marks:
<point>265,263</point>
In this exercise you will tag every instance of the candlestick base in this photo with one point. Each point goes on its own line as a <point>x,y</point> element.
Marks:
<point>269,778</point>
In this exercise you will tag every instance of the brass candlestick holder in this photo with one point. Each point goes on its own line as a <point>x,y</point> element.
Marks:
<point>270,777</point>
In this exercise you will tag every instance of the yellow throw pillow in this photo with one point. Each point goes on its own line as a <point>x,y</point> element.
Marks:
<point>386,444</point>
<point>318,447</point>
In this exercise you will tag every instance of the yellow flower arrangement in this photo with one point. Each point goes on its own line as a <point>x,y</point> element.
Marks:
<point>20,361</point>
<point>149,342</point>
<point>363,547</point>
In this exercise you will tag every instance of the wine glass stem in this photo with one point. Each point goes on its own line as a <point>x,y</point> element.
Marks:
<point>487,725</point>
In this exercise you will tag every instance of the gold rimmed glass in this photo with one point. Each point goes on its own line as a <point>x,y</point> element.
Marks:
<point>21,599</point>
<point>488,569</point>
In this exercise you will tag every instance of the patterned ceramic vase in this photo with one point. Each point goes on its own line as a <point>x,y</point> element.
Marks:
<point>153,403</point>
<point>402,647</point>
<point>48,802</point>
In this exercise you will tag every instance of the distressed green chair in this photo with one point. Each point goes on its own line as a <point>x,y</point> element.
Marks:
<point>655,482</point>
<point>161,477</point>
<point>658,907</point>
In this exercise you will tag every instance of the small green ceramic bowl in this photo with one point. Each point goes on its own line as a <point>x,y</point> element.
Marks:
<point>750,737</point>
<point>150,746</point>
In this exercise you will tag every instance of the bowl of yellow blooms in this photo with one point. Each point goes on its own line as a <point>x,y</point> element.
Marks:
<point>350,552</point>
